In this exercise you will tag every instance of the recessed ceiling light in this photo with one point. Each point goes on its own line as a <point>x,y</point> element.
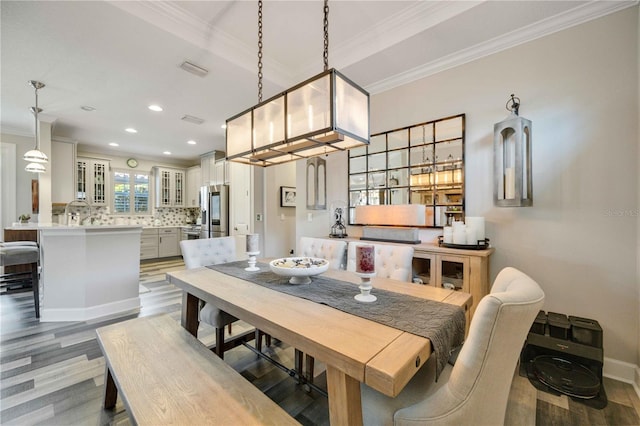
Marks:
<point>224,126</point>
<point>130,130</point>
<point>191,142</point>
<point>167,153</point>
<point>156,108</point>
<point>87,108</point>
<point>113,144</point>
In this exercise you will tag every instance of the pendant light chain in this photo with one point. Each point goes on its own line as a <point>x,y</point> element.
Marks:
<point>259,51</point>
<point>326,35</point>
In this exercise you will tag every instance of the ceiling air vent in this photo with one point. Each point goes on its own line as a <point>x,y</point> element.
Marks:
<point>194,69</point>
<point>192,119</point>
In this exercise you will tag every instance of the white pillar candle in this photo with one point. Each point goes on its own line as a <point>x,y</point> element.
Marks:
<point>476,223</point>
<point>471,235</point>
<point>253,243</point>
<point>509,183</point>
<point>460,235</point>
<point>365,259</point>
<point>447,234</point>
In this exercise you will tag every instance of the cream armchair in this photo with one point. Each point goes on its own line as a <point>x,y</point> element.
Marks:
<point>392,261</point>
<point>332,250</point>
<point>476,389</point>
<point>211,251</point>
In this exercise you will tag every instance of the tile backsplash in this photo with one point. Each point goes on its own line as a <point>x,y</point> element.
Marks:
<point>162,216</point>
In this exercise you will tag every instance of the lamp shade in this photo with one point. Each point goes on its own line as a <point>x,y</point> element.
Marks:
<point>324,114</point>
<point>35,168</point>
<point>35,156</point>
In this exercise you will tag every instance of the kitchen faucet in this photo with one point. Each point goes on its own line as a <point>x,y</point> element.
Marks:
<point>76,202</point>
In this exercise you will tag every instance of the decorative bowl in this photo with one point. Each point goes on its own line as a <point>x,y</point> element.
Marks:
<point>300,269</point>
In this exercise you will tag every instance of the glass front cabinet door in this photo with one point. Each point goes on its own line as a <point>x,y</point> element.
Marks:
<point>92,181</point>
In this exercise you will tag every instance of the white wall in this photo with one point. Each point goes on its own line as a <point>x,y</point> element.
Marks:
<point>321,220</point>
<point>22,177</point>
<point>280,222</point>
<point>580,89</point>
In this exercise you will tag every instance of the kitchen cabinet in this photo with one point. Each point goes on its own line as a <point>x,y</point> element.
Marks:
<point>214,170</point>
<point>63,165</point>
<point>159,242</point>
<point>168,244</point>
<point>170,187</point>
<point>92,181</point>
<point>194,181</point>
<point>149,243</point>
<point>220,174</point>
<point>465,270</point>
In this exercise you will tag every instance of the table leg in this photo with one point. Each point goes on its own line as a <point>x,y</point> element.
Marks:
<point>190,308</point>
<point>110,390</point>
<point>345,404</point>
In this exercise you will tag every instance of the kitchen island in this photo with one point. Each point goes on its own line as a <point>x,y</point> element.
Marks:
<point>88,271</point>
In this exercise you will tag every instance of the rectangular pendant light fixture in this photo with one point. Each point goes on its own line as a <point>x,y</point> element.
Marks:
<point>326,113</point>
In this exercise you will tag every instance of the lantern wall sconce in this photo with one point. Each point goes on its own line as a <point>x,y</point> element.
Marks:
<point>512,159</point>
<point>316,183</point>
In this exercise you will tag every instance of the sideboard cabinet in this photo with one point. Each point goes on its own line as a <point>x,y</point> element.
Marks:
<point>465,270</point>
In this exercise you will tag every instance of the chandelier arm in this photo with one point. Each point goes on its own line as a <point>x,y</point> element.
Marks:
<point>326,35</point>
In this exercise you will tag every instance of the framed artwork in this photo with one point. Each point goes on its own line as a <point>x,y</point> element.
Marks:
<point>287,196</point>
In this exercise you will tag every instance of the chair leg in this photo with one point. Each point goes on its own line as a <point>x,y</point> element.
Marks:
<point>220,342</point>
<point>229,328</point>
<point>36,288</point>
<point>310,364</point>
<point>299,357</point>
<point>258,340</point>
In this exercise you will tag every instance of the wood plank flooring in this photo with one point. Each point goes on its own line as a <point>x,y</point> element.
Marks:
<point>53,373</point>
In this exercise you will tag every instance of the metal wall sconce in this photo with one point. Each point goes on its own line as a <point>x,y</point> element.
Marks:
<point>316,183</point>
<point>512,159</point>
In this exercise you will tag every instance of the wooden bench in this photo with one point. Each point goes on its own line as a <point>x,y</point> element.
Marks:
<point>166,376</point>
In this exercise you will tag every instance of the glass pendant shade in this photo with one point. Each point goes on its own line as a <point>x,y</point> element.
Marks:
<point>35,168</point>
<point>324,114</point>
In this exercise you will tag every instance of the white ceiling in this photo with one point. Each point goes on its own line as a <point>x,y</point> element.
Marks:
<point>120,57</point>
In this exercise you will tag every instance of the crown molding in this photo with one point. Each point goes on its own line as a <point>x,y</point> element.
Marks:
<point>16,131</point>
<point>169,16</point>
<point>393,30</point>
<point>579,15</point>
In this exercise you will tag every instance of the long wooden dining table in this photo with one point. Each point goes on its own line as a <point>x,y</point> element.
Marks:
<point>355,350</point>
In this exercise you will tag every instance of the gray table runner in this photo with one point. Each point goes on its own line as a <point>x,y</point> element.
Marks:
<point>442,323</point>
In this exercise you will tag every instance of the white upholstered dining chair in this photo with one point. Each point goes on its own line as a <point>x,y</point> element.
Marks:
<point>476,389</point>
<point>392,261</point>
<point>204,252</point>
<point>334,251</point>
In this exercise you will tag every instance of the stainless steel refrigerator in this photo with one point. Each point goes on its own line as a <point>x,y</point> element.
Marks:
<point>215,211</point>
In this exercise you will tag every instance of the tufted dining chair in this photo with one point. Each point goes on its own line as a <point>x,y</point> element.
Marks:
<point>475,390</point>
<point>334,251</point>
<point>204,252</point>
<point>392,261</point>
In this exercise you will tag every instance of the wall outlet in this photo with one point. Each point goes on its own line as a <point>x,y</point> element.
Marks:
<point>259,217</point>
<point>310,217</point>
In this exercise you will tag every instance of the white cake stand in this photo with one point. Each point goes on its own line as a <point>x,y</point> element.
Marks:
<point>252,262</point>
<point>365,288</point>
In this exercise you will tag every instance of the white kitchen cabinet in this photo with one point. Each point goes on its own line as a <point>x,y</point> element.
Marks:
<point>149,243</point>
<point>170,187</point>
<point>219,175</point>
<point>207,163</point>
<point>92,183</point>
<point>168,244</point>
<point>194,182</point>
<point>63,166</point>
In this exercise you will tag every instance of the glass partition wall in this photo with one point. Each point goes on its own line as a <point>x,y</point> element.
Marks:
<point>418,164</point>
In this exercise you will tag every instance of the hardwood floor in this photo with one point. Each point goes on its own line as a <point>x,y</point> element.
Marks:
<point>53,373</point>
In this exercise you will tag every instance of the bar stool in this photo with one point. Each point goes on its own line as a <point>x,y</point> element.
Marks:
<point>21,253</point>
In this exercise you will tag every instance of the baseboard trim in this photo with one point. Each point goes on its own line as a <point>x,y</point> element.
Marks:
<point>92,312</point>
<point>622,371</point>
